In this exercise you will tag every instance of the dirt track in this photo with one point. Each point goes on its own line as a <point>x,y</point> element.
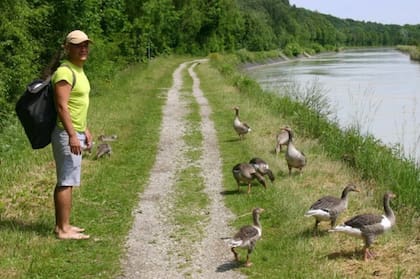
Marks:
<point>151,252</point>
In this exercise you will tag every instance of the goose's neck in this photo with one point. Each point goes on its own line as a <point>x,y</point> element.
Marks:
<point>290,136</point>
<point>256,218</point>
<point>389,213</point>
<point>290,145</point>
<point>345,194</point>
<point>237,112</point>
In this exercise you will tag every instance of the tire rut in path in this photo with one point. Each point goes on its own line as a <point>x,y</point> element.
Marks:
<point>151,251</point>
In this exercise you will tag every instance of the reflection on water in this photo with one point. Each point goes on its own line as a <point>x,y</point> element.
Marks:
<point>377,89</point>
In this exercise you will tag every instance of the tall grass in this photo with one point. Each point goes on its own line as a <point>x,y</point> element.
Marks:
<point>413,51</point>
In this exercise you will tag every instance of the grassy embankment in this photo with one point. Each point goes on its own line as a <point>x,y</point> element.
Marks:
<point>288,248</point>
<point>413,51</point>
<point>130,107</point>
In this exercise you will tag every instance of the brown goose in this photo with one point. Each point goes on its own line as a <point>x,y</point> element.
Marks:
<point>368,226</point>
<point>247,236</point>
<point>262,167</point>
<point>282,138</point>
<point>294,157</point>
<point>244,172</point>
<point>240,127</point>
<point>328,208</point>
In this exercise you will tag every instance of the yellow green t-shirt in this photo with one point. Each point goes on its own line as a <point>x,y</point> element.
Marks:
<point>79,97</point>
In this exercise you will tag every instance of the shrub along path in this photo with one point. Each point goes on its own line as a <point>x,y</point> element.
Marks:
<point>153,250</point>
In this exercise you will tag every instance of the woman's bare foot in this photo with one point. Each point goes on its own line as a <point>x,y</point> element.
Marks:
<point>72,235</point>
<point>248,264</point>
<point>72,232</point>
<point>72,229</point>
<point>77,229</point>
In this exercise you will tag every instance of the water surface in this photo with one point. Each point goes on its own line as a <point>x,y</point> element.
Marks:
<point>377,89</point>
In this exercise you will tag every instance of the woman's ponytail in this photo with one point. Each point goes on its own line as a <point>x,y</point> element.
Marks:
<point>54,63</point>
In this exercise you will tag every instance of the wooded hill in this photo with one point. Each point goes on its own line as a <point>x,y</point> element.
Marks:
<point>128,31</point>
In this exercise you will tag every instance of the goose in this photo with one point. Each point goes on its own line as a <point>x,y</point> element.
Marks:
<point>368,226</point>
<point>247,236</point>
<point>103,149</point>
<point>244,172</point>
<point>281,139</point>
<point>328,208</point>
<point>262,167</point>
<point>104,138</point>
<point>294,157</point>
<point>240,127</point>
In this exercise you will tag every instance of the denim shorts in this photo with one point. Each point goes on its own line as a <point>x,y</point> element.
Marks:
<point>68,165</point>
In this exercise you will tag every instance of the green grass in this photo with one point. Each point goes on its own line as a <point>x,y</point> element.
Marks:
<point>130,106</point>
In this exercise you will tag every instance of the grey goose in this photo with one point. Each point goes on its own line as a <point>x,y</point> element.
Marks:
<point>262,167</point>
<point>294,157</point>
<point>368,226</point>
<point>240,127</point>
<point>328,208</point>
<point>246,173</point>
<point>247,236</point>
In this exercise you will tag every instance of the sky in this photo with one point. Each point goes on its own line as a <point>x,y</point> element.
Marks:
<point>381,11</point>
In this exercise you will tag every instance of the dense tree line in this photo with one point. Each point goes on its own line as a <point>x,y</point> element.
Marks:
<point>127,31</point>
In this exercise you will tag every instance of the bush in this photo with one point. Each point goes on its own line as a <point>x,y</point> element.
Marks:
<point>292,49</point>
<point>316,47</point>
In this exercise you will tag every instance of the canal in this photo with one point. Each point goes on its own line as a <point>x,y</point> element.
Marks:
<point>376,90</point>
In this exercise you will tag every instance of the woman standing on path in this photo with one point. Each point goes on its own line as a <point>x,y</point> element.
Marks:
<point>71,134</point>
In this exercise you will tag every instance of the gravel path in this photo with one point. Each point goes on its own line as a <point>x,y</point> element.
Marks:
<point>151,251</point>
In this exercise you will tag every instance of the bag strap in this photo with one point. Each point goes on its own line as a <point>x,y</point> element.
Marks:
<point>72,72</point>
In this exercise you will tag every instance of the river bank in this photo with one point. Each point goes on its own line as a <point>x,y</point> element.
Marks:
<point>280,59</point>
<point>413,51</point>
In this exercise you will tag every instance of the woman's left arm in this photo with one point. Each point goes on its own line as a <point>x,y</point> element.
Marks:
<point>88,139</point>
